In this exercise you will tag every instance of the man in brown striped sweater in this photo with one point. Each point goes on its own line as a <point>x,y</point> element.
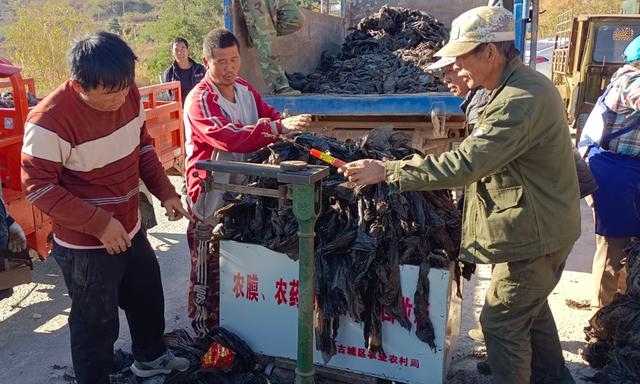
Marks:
<point>85,147</point>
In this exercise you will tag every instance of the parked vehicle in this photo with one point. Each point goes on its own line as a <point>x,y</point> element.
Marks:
<point>544,53</point>
<point>588,51</point>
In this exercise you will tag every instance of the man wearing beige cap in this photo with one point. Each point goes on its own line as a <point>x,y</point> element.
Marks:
<point>521,209</point>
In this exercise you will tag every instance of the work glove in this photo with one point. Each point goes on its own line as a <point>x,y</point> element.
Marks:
<point>17,239</point>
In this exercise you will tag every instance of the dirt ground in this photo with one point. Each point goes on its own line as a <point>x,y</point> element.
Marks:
<point>575,284</point>
<point>34,336</point>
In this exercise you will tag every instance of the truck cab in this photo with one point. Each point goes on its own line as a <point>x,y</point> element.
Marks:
<point>588,51</point>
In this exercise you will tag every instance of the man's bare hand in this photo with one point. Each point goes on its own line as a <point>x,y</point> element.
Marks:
<point>114,238</point>
<point>175,211</point>
<point>295,123</point>
<point>364,172</point>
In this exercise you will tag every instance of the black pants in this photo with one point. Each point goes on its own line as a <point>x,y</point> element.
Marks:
<point>98,284</point>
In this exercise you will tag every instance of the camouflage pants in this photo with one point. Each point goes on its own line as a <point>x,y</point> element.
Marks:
<point>267,19</point>
<point>522,339</point>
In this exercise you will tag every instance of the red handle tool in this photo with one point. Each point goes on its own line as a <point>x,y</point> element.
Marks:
<point>326,158</point>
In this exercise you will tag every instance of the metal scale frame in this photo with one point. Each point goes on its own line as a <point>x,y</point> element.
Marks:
<point>300,183</point>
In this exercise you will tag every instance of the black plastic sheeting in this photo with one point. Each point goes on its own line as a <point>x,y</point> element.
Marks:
<point>387,52</point>
<point>613,333</point>
<point>363,235</point>
<point>244,369</point>
<point>6,100</point>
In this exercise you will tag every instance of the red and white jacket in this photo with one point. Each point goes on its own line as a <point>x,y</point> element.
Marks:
<point>82,166</point>
<point>210,133</point>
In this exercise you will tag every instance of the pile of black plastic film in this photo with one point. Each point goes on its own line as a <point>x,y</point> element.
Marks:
<point>387,52</point>
<point>245,368</point>
<point>363,235</point>
<point>613,333</point>
<point>6,100</point>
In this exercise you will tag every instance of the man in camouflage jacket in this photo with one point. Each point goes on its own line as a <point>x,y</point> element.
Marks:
<point>267,19</point>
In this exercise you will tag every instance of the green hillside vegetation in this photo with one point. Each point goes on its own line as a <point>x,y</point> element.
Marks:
<point>552,9</point>
<point>36,35</point>
<point>38,40</point>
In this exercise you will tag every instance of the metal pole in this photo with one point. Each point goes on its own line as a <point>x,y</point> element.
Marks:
<point>306,197</point>
<point>521,14</point>
<point>304,210</point>
<point>535,10</point>
<point>228,14</point>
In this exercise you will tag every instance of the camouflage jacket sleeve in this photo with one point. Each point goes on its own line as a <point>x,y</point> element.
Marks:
<point>501,135</point>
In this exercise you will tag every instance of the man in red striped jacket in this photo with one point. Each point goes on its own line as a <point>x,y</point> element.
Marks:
<point>224,118</point>
<point>85,147</point>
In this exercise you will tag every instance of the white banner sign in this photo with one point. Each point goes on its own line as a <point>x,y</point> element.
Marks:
<point>259,298</point>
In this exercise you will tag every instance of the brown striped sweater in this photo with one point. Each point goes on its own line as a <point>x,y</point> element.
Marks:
<point>82,166</point>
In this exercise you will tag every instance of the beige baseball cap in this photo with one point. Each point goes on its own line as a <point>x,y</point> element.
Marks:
<point>476,26</point>
<point>443,62</point>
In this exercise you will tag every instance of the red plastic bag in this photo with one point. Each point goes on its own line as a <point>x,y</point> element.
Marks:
<point>218,356</point>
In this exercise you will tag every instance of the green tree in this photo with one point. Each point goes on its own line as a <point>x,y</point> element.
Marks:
<point>40,38</point>
<point>190,19</point>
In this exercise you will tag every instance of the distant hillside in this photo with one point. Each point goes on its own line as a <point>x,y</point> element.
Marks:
<point>147,25</point>
<point>98,9</point>
<point>562,5</point>
<point>128,17</point>
<point>551,9</point>
<point>139,12</point>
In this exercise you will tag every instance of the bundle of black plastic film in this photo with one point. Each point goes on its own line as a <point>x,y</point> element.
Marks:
<point>613,334</point>
<point>363,235</point>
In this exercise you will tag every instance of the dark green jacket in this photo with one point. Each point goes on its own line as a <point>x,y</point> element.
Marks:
<point>521,199</point>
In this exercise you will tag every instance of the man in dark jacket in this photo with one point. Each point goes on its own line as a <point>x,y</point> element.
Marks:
<point>184,69</point>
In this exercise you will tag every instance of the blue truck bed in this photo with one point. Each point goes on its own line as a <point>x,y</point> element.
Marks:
<point>396,104</point>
